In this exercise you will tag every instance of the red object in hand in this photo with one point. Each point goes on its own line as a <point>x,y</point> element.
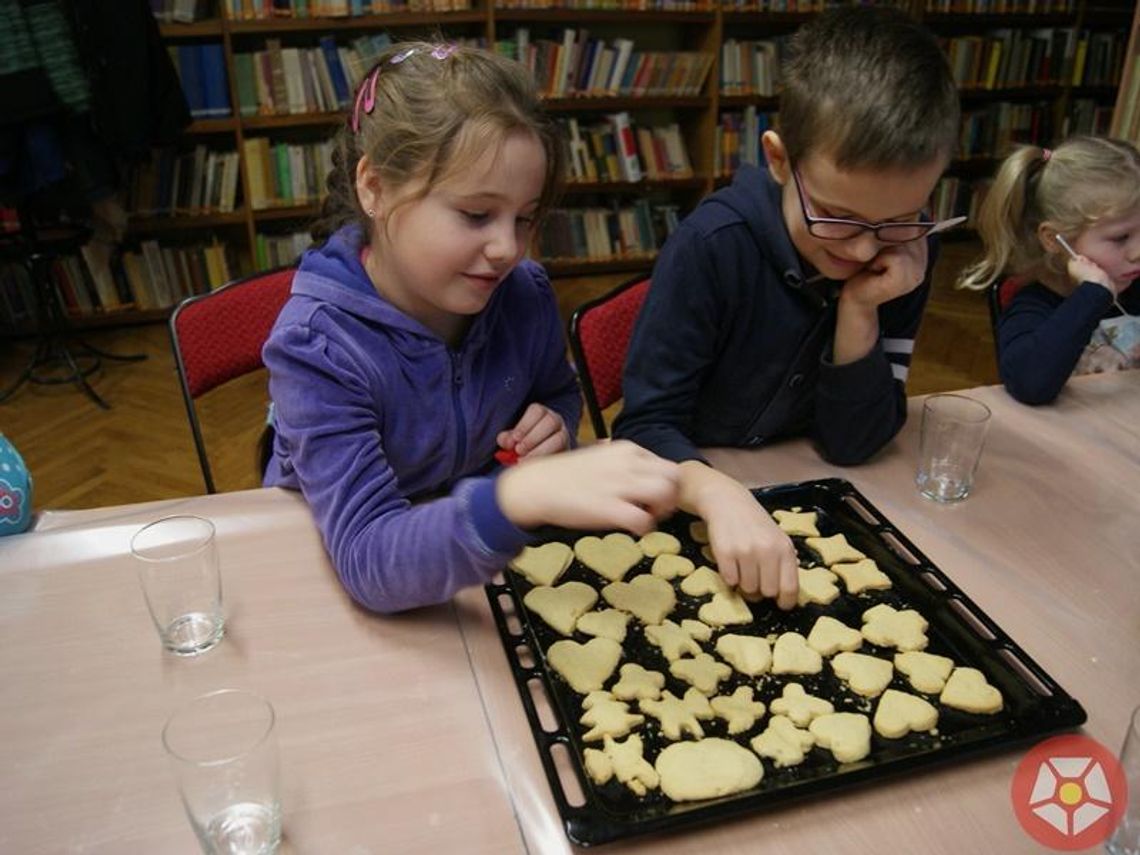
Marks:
<point>507,456</point>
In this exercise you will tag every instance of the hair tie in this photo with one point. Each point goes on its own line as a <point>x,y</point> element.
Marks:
<point>1046,153</point>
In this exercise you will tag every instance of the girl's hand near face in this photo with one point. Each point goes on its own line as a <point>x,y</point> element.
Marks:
<point>1083,269</point>
<point>540,431</point>
<point>612,485</point>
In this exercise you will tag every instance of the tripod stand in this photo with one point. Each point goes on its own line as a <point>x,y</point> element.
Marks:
<point>58,358</point>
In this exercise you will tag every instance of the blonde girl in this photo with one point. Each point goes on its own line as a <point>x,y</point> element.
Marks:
<point>1066,224</point>
<point>418,343</point>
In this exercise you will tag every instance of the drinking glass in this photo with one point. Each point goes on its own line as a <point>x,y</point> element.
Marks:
<point>223,750</point>
<point>177,559</point>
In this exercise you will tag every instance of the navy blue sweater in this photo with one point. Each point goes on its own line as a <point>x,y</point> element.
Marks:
<point>733,345</point>
<point>1041,336</point>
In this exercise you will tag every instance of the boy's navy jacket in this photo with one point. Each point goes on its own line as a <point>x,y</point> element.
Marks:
<point>373,411</point>
<point>733,344</point>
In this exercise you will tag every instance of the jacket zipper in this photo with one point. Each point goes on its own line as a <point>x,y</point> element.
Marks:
<point>457,411</point>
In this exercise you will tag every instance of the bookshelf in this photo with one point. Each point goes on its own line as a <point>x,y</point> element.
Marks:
<point>1054,72</point>
<point>1126,116</point>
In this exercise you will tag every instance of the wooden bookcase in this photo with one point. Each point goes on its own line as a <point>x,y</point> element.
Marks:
<point>1126,116</point>
<point>702,30</point>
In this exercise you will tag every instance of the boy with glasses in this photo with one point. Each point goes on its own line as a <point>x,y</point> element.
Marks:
<point>787,303</point>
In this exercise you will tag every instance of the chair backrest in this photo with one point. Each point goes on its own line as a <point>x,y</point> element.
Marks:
<point>217,337</point>
<point>599,337</point>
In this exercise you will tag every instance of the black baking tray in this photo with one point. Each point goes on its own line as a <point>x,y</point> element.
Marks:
<point>1035,704</point>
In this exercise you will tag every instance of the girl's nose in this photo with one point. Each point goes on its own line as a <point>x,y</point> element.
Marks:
<point>503,243</point>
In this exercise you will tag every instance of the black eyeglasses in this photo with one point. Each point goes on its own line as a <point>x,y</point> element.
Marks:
<point>833,228</point>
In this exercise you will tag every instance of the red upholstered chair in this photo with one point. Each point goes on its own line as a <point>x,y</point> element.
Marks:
<point>217,337</point>
<point>1000,294</point>
<point>599,336</point>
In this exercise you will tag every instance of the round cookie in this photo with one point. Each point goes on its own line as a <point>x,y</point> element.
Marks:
<point>691,771</point>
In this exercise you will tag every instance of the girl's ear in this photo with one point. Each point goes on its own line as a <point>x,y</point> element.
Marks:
<point>1047,237</point>
<point>369,190</point>
<point>779,167</point>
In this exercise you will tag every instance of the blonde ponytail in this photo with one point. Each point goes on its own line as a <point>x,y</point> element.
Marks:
<point>1083,180</point>
<point>1006,224</point>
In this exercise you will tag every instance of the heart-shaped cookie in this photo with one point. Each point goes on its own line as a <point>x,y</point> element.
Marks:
<point>968,690</point>
<point>725,609</point>
<point>608,623</point>
<point>545,564</point>
<point>703,581</point>
<point>927,672</point>
<point>848,735</point>
<point>899,713</point>
<point>586,667</point>
<point>865,675</point>
<point>611,556</point>
<point>791,655</point>
<point>829,635</point>
<point>647,597</point>
<point>561,606</point>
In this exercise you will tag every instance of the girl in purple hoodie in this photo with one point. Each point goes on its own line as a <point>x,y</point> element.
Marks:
<point>417,343</point>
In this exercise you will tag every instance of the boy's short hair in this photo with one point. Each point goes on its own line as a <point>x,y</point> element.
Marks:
<point>870,87</point>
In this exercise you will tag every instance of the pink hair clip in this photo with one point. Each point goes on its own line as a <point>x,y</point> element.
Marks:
<point>366,95</point>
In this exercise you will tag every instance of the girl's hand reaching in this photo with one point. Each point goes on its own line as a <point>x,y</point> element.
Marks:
<point>611,485</point>
<point>540,431</point>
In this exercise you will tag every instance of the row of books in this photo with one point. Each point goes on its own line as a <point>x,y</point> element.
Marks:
<point>1088,116</point>
<point>622,5</point>
<point>281,80</point>
<point>1128,123</point>
<point>202,70</point>
<point>172,182</point>
<point>751,67</point>
<point>17,298</point>
<point>620,150</point>
<point>738,139</point>
<point>994,130</point>
<point>159,277</point>
<point>284,174</point>
<point>577,65</point>
<point>252,10</point>
<point>788,5</point>
<point>1001,7</point>
<point>1009,58</point>
<point>956,197</point>
<point>636,230</point>
<point>92,282</point>
<point>279,250</point>
<point>181,11</point>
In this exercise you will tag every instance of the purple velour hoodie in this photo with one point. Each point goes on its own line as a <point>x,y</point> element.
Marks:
<point>374,414</point>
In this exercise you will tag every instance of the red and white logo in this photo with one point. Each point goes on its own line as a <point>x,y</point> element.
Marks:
<point>1069,792</point>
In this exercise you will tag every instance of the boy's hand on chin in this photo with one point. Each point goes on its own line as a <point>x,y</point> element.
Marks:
<point>896,270</point>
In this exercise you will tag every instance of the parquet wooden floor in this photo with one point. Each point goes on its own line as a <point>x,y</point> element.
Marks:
<point>141,449</point>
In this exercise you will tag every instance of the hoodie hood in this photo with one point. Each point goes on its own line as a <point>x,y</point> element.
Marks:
<point>757,199</point>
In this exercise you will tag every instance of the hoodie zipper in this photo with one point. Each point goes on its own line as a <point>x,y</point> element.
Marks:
<point>457,411</point>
